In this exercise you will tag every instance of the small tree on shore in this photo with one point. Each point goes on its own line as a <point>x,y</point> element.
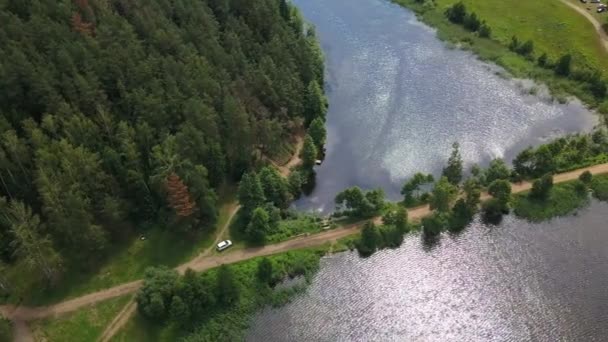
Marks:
<point>453,171</point>
<point>541,188</point>
<point>586,177</point>
<point>562,67</point>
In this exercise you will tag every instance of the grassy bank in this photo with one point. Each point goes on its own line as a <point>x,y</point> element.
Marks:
<point>126,261</point>
<point>6,330</point>
<point>231,322</point>
<point>554,29</point>
<point>563,199</point>
<point>599,186</point>
<point>86,324</point>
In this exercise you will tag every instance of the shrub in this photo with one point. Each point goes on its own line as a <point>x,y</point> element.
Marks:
<point>562,67</point>
<point>457,13</point>
<point>541,188</point>
<point>586,177</point>
<point>492,211</point>
<point>599,185</point>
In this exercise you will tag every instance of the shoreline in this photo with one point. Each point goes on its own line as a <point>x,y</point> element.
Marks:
<point>515,67</point>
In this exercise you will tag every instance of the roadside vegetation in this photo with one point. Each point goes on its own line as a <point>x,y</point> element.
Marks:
<point>599,186</point>
<point>544,41</point>
<point>86,324</point>
<point>6,330</point>
<point>546,201</point>
<point>220,302</point>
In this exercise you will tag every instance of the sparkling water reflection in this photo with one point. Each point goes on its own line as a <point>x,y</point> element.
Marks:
<point>399,99</point>
<point>515,282</point>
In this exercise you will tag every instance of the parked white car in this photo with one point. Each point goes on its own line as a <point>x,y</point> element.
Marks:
<point>223,245</point>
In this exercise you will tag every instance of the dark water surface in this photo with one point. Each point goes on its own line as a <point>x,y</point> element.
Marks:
<point>515,282</point>
<point>399,99</point>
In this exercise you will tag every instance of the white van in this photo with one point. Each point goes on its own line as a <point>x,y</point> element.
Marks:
<point>223,245</point>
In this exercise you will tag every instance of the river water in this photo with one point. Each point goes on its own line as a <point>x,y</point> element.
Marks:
<point>514,282</point>
<point>399,98</point>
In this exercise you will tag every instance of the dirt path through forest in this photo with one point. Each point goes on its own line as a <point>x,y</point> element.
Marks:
<point>21,314</point>
<point>125,314</point>
<point>598,26</point>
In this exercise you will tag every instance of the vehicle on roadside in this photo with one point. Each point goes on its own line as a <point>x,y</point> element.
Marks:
<point>223,245</point>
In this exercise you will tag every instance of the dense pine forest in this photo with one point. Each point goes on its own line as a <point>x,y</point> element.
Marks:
<point>119,113</point>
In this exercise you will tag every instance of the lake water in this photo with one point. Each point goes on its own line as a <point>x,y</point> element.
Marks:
<point>399,98</point>
<point>514,282</point>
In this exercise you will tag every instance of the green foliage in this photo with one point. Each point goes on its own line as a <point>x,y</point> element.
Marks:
<point>100,112</point>
<point>85,324</point>
<point>361,204</point>
<point>317,132</point>
<point>369,239</point>
<point>599,186</point>
<point>562,199</point>
<point>541,188</point>
<point>484,30</point>
<point>586,177</point>
<point>562,67</point>
<point>251,193</point>
<point>501,190</point>
<point>411,189</point>
<point>210,318</point>
<point>497,169</point>
<point>492,211</point>
<point>259,226</point>
<point>309,153</point>
<point>6,330</point>
<point>543,60</point>
<point>443,195</point>
<point>275,187</point>
<point>396,218</point>
<point>154,297</point>
<point>462,214</point>
<point>471,22</point>
<point>453,171</point>
<point>457,13</point>
<point>227,289</point>
<point>563,154</point>
<point>314,102</point>
<point>435,223</point>
<point>265,271</point>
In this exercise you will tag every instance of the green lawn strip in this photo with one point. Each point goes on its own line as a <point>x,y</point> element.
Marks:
<point>554,28</point>
<point>599,186</point>
<point>230,323</point>
<point>126,261</point>
<point>6,330</point>
<point>86,324</point>
<point>563,200</point>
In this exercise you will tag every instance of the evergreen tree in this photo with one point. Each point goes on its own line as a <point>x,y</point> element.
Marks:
<point>227,288</point>
<point>265,271</point>
<point>317,132</point>
<point>453,171</point>
<point>314,102</point>
<point>309,153</point>
<point>259,225</point>
<point>251,193</point>
<point>443,194</point>
<point>29,245</point>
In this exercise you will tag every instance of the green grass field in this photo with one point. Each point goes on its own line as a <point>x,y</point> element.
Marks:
<point>86,324</point>
<point>553,27</point>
